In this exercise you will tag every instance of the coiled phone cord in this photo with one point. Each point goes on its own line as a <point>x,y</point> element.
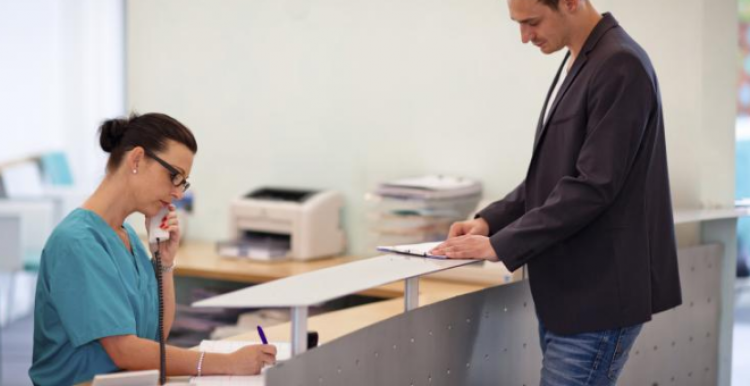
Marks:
<point>162,348</point>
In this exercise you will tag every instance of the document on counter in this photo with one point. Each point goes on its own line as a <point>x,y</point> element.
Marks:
<point>421,250</point>
<point>283,352</point>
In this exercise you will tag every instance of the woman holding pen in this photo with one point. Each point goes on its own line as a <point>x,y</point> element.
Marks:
<point>96,305</point>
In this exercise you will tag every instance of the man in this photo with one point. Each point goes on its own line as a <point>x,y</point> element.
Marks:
<point>592,220</point>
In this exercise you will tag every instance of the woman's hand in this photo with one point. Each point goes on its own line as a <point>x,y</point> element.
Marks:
<point>249,360</point>
<point>168,249</point>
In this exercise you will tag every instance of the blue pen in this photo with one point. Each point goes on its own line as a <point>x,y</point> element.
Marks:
<point>262,335</point>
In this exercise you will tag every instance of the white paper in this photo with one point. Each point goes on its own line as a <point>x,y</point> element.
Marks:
<point>420,250</point>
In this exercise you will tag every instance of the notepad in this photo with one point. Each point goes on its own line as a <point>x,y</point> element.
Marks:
<point>421,250</point>
<point>283,352</point>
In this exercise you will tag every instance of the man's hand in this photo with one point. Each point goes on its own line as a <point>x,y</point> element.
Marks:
<point>477,226</point>
<point>466,247</point>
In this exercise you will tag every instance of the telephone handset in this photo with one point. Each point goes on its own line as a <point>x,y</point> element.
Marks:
<point>154,230</point>
<point>155,236</point>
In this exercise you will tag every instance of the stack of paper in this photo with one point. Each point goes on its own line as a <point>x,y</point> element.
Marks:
<point>431,187</point>
<point>420,209</point>
<point>283,352</point>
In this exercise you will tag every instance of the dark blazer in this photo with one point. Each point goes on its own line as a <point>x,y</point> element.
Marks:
<point>593,218</point>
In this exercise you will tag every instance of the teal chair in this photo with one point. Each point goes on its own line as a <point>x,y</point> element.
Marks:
<point>55,169</point>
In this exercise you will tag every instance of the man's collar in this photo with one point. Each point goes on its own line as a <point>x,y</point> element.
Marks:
<point>605,24</point>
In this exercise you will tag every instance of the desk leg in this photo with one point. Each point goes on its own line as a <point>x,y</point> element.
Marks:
<point>411,294</point>
<point>299,330</point>
<point>724,232</point>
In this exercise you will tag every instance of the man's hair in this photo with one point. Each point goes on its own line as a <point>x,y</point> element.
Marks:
<point>551,3</point>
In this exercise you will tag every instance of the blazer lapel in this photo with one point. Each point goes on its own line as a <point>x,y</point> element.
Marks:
<point>541,124</point>
<point>608,22</point>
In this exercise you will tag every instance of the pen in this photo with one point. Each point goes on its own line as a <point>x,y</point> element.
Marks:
<point>262,335</point>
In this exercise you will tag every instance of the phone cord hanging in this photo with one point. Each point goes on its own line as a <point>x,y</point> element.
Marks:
<point>162,348</point>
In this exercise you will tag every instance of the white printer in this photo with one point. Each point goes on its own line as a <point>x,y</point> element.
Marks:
<point>280,224</point>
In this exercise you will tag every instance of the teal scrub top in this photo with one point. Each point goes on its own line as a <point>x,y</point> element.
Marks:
<point>90,287</point>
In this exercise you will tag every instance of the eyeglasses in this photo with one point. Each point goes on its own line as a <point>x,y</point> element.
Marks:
<point>178,179</point>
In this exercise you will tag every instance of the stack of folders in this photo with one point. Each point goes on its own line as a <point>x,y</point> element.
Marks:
<point>420,209</point>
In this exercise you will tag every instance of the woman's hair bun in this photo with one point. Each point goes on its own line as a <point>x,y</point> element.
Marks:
<point>111,132</point>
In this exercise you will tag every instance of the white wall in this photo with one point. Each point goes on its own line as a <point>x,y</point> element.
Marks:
<point>62,73</point>
<point>30,77</point>
<point>346,93</point>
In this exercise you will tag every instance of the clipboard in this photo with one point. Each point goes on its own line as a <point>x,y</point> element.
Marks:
<point>419,250</point>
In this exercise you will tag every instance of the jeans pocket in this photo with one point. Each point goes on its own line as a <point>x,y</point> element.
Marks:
<point>625,340</point>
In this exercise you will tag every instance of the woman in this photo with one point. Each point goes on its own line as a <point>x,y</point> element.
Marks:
<point>96,300</point>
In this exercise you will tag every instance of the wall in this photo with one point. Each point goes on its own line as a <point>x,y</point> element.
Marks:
<point>63,72</point>
<point>344,94</point>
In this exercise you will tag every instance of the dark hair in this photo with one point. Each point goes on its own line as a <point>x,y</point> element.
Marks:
<point>551,3</point>
<point>149,131</point>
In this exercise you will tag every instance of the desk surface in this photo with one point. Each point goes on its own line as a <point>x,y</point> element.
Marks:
<point>199,259</point>
<point>333,325</point>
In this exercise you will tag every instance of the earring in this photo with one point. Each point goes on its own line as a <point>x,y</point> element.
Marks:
<point>135,171</point>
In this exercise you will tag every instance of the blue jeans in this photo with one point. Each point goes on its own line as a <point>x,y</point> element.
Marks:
<point>588,359</point>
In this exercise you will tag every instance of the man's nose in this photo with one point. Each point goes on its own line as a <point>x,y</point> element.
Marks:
<point>526,35</point>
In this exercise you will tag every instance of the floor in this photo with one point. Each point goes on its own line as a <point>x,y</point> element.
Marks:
<point>15,352</point>
<point>741,338</point>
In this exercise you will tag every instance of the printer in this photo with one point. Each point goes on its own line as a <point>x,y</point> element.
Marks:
<point>280,224</point>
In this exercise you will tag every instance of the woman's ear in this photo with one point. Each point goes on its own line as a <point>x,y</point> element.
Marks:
<point>135,158</point>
